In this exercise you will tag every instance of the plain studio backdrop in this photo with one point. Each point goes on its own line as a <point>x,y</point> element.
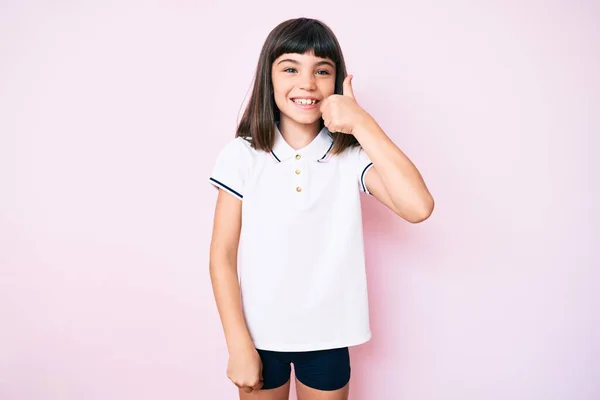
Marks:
<point>111,116</point>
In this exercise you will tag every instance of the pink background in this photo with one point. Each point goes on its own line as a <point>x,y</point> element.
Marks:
<point>110,119</point>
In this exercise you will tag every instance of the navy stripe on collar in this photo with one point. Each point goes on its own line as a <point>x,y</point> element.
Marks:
<point>327,152</point>
<point>275,156</point>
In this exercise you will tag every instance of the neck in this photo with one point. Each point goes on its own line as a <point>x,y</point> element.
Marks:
<point>298,135</point>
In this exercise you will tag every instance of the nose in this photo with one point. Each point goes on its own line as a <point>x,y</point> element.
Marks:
<point>308,82</point>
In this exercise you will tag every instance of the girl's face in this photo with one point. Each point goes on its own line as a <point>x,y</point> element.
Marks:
<point>300,83</point>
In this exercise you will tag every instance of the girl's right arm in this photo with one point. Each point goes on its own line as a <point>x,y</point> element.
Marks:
<point>244,367</point>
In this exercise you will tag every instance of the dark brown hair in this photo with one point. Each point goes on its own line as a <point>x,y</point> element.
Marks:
<point>299,35</point>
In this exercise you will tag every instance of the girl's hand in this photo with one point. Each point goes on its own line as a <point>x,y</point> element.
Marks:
<point>341,113</point>
<point>244,369</point>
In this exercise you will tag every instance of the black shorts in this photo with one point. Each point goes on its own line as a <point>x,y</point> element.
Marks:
<point>319,369</point>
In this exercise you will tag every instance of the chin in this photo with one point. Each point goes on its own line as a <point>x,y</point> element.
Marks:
<point>304,119</point>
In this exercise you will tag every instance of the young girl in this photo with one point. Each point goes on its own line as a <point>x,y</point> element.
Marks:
<point>290,185</point>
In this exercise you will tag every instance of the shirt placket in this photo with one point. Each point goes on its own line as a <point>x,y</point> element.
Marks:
<point>300,178</point>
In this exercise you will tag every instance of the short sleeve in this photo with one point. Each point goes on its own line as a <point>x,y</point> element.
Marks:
<point>364,164</point>
<point>231,168</point>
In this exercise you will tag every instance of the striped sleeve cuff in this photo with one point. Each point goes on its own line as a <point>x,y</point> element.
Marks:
<point>228,189</point>
<point>363,185</point>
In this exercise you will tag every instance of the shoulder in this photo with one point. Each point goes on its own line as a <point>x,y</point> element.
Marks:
<point>358,154</point>
<point>238,148</point>
<point>238,143</point>
<point>350,154</point>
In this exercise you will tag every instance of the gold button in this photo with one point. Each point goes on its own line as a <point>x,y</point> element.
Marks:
<point>298,156</point>
<point>298,189</point>
<point>297,172</point>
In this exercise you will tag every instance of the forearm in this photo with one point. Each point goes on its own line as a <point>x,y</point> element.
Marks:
<point>226,289</point>
<point>401,179</point>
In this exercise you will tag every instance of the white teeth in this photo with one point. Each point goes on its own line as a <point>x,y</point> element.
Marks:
<point>304,101</point>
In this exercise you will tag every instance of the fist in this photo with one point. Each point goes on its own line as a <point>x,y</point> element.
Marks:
<point>244,369</point>
<point>341,113</point>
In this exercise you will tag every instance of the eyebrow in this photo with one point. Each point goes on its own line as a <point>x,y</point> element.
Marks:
<point>324,62</point>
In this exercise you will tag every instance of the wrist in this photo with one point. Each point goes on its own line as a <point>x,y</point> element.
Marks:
<point>240,345</point>
<point>365,125</point>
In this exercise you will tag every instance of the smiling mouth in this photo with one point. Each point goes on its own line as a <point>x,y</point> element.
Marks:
<point>305,102</point>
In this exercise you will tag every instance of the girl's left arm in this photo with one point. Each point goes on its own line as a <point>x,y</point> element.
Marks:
<point>393,179</point>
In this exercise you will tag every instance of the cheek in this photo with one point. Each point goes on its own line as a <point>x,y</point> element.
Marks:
<point>280,97</point>
<point>327,88</point>
<point>280,92</point>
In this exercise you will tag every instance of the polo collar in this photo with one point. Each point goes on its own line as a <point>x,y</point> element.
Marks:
<point>317,150</point>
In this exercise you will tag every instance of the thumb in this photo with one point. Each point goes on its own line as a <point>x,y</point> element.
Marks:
<point>347,86</point>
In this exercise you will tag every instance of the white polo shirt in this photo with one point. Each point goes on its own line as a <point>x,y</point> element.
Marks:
<point>301,261</point>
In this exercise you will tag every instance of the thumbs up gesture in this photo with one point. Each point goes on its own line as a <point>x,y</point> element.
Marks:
<point>342,113</point>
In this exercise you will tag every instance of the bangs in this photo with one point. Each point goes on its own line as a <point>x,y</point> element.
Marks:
<point>307,36</point>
